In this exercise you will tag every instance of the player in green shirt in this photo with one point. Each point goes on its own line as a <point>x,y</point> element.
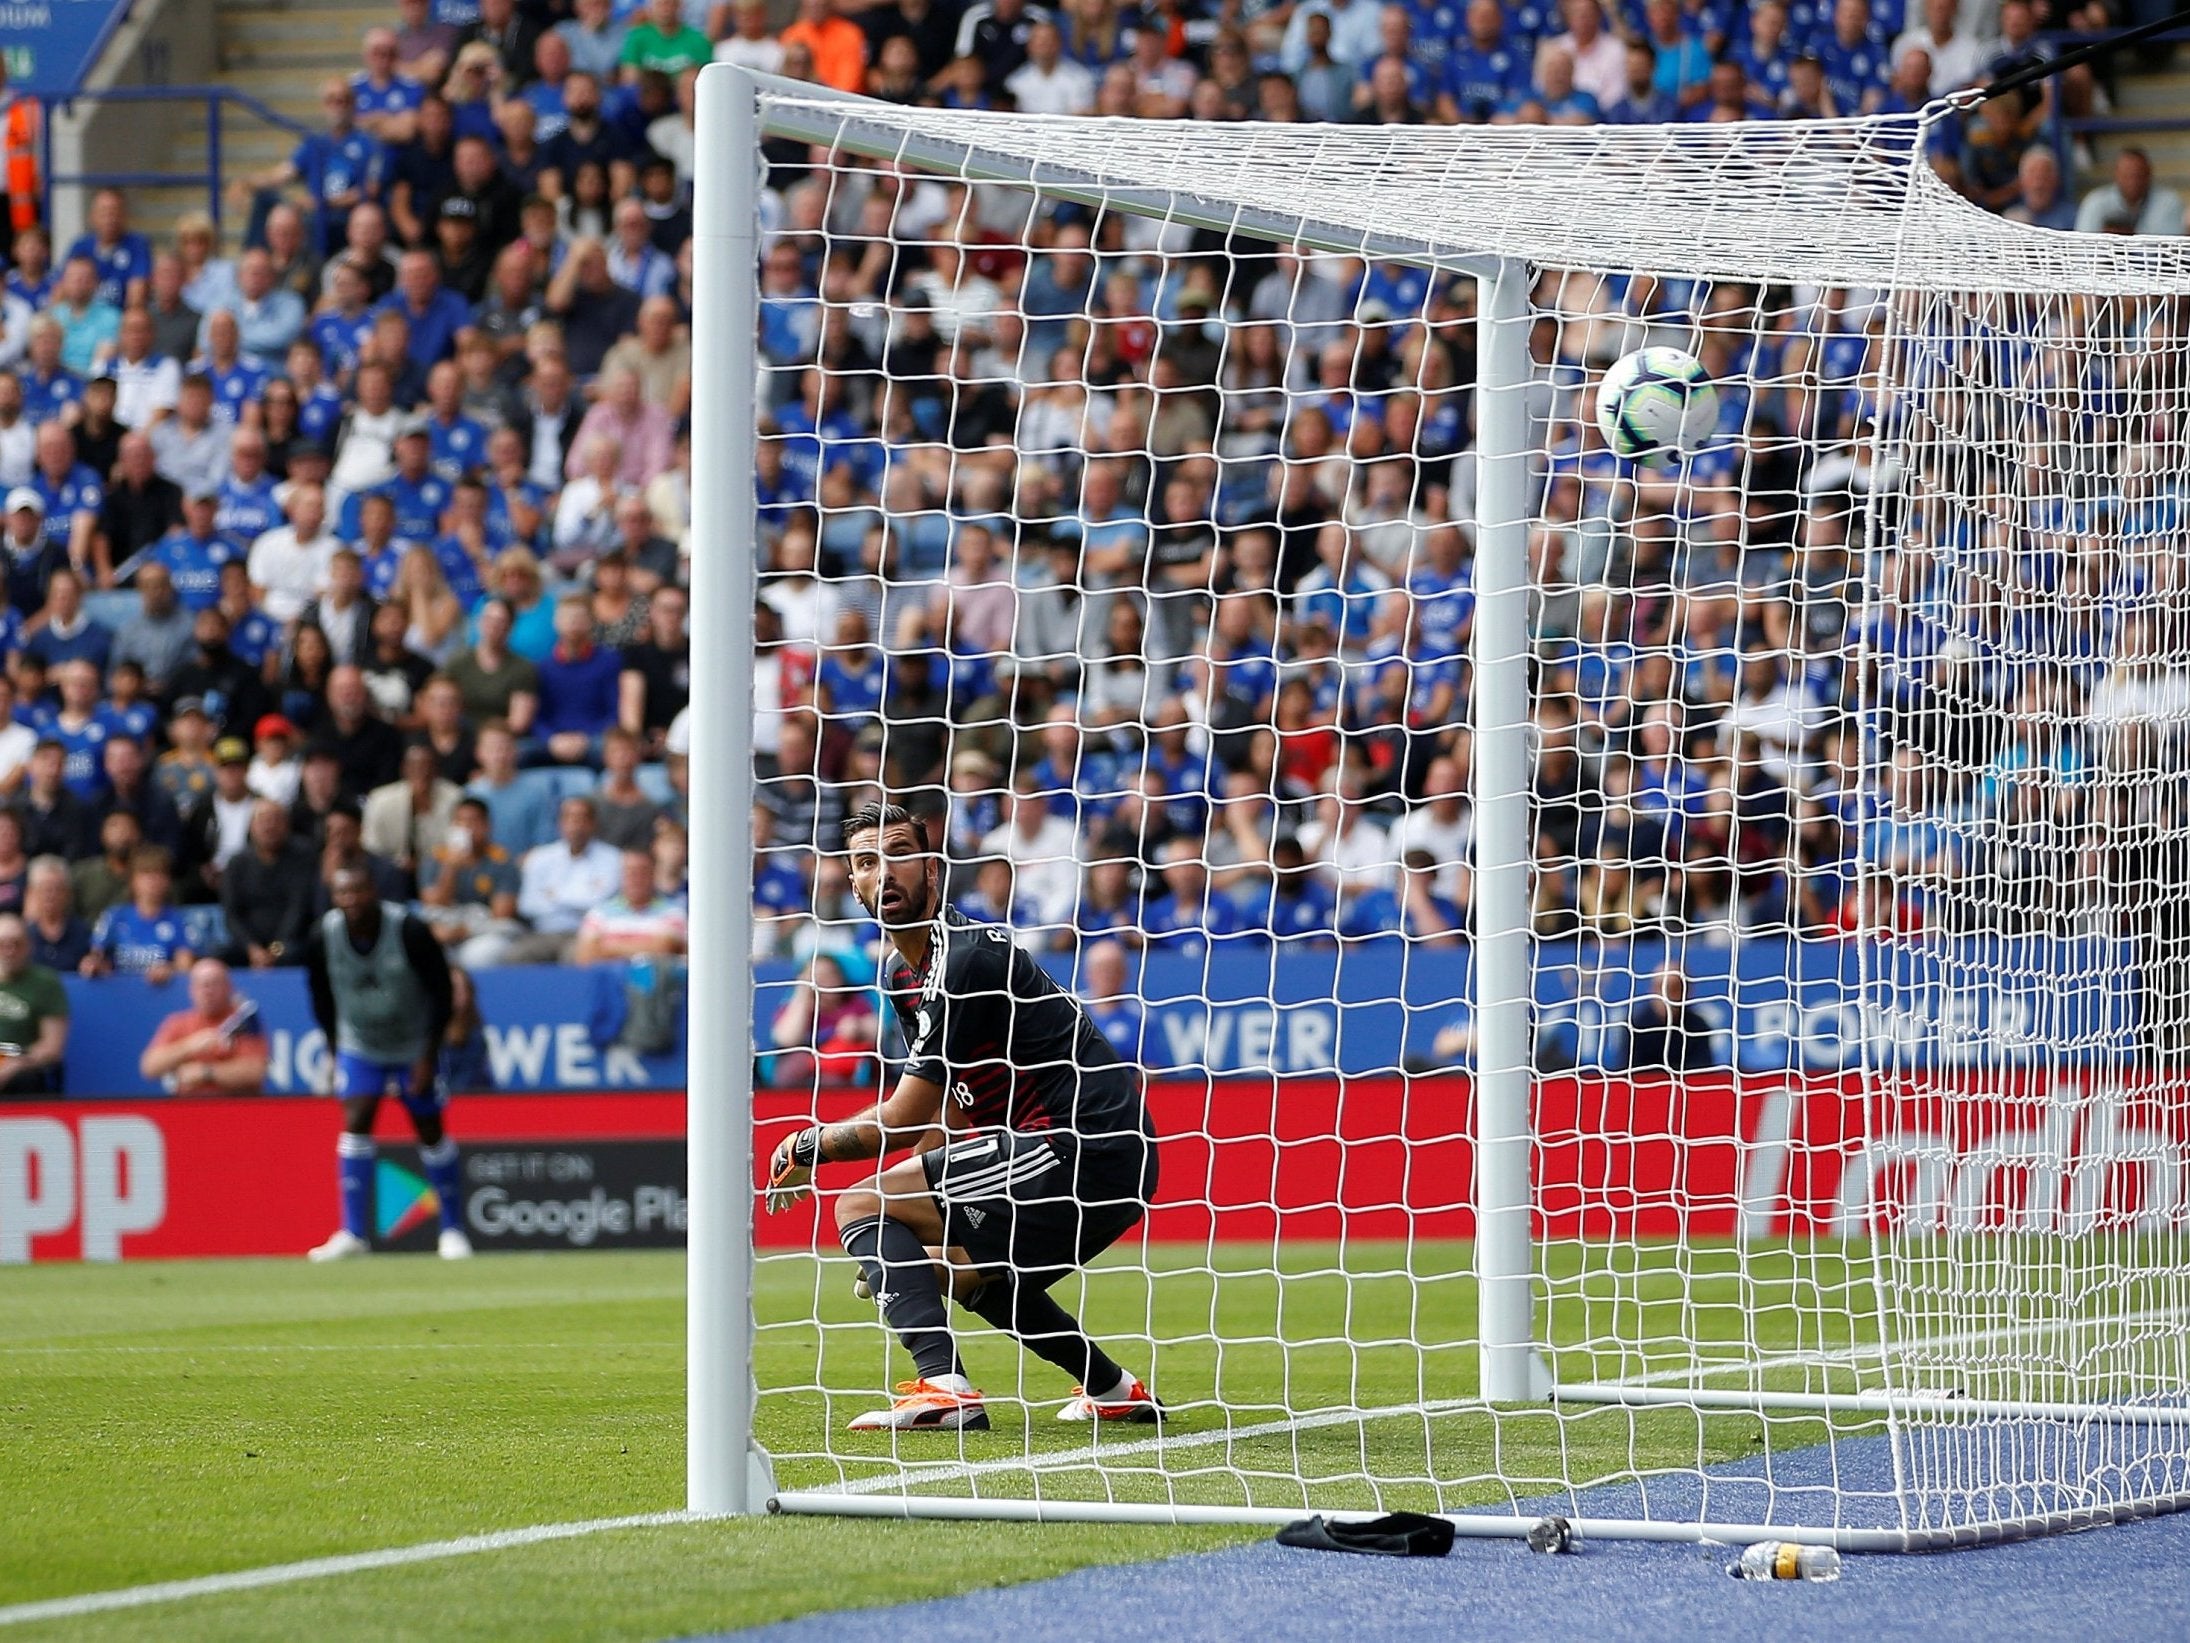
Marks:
<point>665,42</point>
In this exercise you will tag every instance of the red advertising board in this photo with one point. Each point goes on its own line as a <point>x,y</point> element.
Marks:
<point>1309,1158</point>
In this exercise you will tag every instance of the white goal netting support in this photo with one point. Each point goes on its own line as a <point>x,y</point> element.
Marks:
<point>1665,991</point>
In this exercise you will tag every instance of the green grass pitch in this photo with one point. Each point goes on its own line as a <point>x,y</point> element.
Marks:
<point>159,1421</point>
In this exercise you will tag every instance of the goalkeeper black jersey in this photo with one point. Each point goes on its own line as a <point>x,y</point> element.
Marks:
<point>1008,1046</point>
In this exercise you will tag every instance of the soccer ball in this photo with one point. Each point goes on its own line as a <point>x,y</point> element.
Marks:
<point>1657,406</point>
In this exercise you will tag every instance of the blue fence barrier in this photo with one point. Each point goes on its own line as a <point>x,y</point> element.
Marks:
<point>1773,1004</point>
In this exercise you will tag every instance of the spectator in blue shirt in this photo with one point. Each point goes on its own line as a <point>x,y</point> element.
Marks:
<point>145,934</point>
<point>31,273</point>
<point>386,101</point>
<point>340,167</point>
<point>235,380</point>
<point>79,728</point>
<point>90,325</point>
<point>1563,104</point>
<point>69,492</point>
<point>1644,104</point>
<point>49,386</point>
<point>1117,1014</point>
<point>66,634</point>
<point>456,443</point>
<point>580,687</point>
<point>1482,70</point>
<point>1189,914</point>
<point>1682,68</point>
<point>194,551</point>
<point>30,556</point>
<point>123,259</point>
<point>269,316</point>
<point>1300,905</point>
<point>433,312</point>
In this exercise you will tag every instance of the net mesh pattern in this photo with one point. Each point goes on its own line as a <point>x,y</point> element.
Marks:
<point>1136,556</point>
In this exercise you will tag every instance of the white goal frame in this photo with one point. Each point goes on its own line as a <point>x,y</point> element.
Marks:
<point>728,1472</point>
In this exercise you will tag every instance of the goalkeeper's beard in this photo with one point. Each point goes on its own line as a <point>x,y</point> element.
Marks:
<point>909,913</point>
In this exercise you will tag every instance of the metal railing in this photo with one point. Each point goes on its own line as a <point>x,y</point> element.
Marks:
<point>217,100</point>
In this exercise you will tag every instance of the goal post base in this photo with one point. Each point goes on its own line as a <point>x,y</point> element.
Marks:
<point>1477,1525</point>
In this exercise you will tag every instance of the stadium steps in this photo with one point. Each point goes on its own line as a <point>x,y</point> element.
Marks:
<point>2164,94</point>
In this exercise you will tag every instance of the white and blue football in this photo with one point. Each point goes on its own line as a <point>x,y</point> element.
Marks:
<point>1657,405</point>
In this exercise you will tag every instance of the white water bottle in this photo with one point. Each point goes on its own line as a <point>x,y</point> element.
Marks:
<point>1784,1560</point>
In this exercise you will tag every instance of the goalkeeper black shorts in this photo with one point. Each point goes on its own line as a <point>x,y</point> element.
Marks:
<point>1040,1204</point>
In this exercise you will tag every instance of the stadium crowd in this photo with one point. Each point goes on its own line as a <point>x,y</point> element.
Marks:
<point>1137,557</point>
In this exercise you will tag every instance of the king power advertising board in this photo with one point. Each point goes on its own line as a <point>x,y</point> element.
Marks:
<point>1721,1155</point>
<point>1773,1005</point>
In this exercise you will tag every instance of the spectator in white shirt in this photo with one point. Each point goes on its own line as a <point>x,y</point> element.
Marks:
<point>146,382</point>
<point>1356,32</point>
<point>1441,825</point>
<point>1048,82</point>
<point>563,881</point>
<point>1042,848</point>
<point>2130,204</point>
<point>1352,851</point>
<point>288,564</point>
<point>1958,57</point>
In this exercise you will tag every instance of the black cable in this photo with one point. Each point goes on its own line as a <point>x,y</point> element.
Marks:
<point>2043,68</point>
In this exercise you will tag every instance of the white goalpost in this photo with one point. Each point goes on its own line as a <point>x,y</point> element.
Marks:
<point>1665,990</point>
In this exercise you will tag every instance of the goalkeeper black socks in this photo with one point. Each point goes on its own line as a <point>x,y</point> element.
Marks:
<point>903,1280</point>
<point>1048,1331</point>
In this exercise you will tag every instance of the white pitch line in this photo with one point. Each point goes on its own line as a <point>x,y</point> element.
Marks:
<point>923,1474</point>
<point>363,1346</point>
<point>1844,1356</point>
<point>320,1568</point>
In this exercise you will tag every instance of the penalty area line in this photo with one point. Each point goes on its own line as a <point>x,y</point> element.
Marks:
<point>321,1568</point>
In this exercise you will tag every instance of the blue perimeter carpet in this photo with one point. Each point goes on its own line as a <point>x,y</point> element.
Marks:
<point>2131,1581</point>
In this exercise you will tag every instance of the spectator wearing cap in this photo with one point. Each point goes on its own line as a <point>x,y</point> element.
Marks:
<point>460,248</point>
<point>191,447</point>
<point>158,638</point>
<point>185,771</point>
<point>69,495</point>
<point>217,828</point>
<point>31,556</point>
<point>64,632</point>
<point>275,772</point>
<point>433,312</point>
<point>194,551</point>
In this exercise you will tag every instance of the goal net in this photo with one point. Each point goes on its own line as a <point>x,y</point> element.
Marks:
<point>1663,989</point>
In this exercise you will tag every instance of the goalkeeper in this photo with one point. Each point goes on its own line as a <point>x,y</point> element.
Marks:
<point>1032,1148</point>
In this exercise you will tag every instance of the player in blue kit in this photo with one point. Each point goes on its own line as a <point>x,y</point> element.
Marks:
<point>1032,1149</point>
<point>382,996</point>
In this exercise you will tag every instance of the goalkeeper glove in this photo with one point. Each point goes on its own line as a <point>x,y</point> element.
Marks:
<point>791,1171</point>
